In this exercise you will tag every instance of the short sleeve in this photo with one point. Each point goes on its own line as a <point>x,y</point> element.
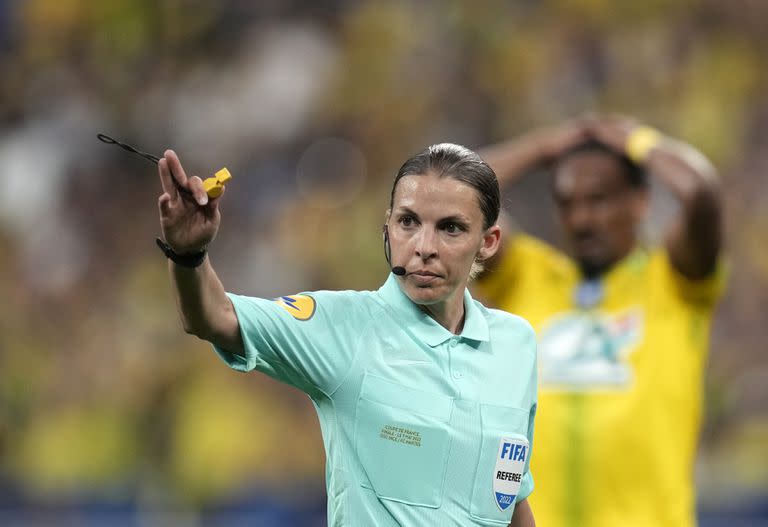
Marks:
<point>524,259</point>
<point>526,486</point>
<point>304,340</point>
<point>705,292</point>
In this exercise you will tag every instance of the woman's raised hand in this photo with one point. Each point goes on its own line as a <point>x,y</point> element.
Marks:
<point>189,219</point>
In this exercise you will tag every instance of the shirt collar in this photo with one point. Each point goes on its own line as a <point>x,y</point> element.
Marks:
<point>424,326</point>
<point>591,293</point>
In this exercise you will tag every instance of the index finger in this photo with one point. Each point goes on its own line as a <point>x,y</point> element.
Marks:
<point>166,179</point>
<point>177,171</point>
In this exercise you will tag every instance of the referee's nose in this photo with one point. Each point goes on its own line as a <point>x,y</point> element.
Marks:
<point>426,245</point>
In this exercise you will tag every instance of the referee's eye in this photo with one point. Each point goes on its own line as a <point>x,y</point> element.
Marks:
<point>453,227</point>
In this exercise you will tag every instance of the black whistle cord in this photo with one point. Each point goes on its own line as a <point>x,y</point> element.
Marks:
<point>112,141</point>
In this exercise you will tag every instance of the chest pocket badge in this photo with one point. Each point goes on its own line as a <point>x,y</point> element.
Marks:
<point>508,473</point>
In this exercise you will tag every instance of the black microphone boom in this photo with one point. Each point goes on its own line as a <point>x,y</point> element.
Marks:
<point>396,270</point>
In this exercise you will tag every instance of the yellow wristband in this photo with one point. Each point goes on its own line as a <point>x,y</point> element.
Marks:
<point>640,143</point>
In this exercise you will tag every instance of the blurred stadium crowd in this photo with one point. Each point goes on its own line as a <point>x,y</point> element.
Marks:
<point>311,104</point>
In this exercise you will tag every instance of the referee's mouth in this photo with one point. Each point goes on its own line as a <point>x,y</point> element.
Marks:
<point>423,277</point>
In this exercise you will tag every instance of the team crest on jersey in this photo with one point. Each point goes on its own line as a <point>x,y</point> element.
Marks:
<point>508,472</point>
<point>300,307</point>
<point>589,349</point>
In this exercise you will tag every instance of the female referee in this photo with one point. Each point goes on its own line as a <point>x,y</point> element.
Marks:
<point>426,399</point>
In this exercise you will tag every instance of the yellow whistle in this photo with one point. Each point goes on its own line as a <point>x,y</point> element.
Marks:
<point>214,186</point>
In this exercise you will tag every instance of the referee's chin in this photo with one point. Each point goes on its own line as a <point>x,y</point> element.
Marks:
<point>425,295</point>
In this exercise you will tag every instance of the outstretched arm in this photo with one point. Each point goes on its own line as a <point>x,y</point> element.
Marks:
<point>189,223</point>
<point>694,238</point>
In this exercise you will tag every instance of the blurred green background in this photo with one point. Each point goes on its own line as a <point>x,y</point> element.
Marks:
<point>111,415</point>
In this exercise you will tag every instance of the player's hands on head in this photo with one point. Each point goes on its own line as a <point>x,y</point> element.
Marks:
<point>555,141</point>
<point>612,130</point>
<point>189,221</point>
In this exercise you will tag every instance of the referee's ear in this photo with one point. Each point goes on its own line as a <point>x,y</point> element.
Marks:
<point>387,215</point>
<point>490,243</point>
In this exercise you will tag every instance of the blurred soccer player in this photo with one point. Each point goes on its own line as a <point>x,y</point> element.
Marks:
<point>623,328</point>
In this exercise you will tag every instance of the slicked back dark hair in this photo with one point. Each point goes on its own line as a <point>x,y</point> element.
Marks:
<point>636,176</point>
<point>462,164</point>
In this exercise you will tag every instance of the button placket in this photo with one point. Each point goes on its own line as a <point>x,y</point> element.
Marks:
<point>452,345</point>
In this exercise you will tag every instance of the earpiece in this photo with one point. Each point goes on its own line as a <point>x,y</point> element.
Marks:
<point>396,270</point>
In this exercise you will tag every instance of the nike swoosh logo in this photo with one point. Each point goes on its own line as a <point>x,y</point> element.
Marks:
<point>406,362</point>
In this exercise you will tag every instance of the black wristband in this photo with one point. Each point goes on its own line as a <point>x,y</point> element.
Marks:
<point>184,260</point>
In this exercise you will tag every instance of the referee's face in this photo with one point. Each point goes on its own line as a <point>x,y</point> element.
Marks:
<point>436,231</point>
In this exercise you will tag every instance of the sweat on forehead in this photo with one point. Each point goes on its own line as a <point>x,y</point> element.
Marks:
<point>440,195</point>
<point>433,183</point>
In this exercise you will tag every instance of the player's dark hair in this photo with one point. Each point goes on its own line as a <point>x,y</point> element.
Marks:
<point>462,164</point>
<point>636,176</point>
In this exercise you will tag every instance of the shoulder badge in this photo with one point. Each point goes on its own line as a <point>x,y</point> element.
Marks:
<point>300,307</point>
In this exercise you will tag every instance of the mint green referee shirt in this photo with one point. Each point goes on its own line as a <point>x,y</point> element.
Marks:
<point>420,426</point>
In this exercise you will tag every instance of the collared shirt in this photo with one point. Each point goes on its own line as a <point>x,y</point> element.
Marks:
<point>621,365</point>
<point>413,417</point>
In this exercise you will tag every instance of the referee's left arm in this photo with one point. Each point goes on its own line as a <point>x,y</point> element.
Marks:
<point>523,515</point>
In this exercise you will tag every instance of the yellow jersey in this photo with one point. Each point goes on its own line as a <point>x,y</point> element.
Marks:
<point>621,366</point>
